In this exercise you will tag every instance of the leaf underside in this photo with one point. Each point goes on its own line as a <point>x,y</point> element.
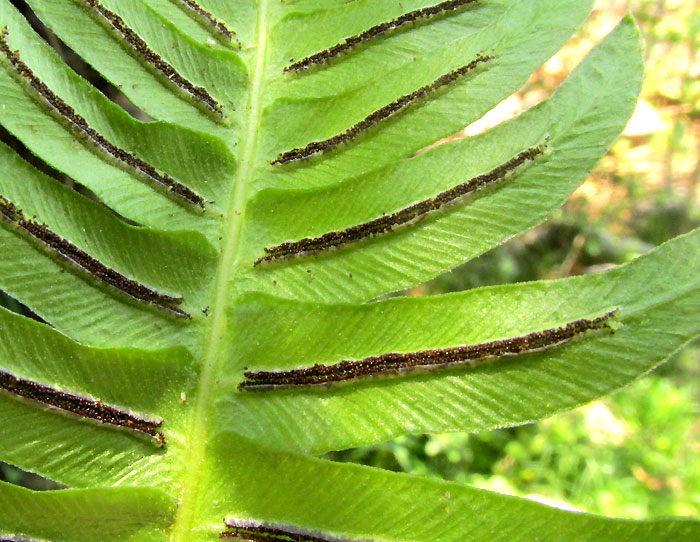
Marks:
<point>247,229</point>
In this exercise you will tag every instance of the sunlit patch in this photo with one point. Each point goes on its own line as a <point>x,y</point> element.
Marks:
<point>347,44</point>
<point>390,110</point>
<point>409,215</point>
<point>84,407</point>
<point>427,360</point>
<point>79,125</point>
<point>68,252</point>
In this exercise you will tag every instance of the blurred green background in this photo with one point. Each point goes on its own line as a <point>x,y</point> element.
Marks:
<point>636,453</point>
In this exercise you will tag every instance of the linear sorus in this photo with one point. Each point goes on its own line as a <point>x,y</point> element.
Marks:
<point>382,114</point>
<point>347,44</point>
<point>84,407</point>
<point>79,125</point>
<point>408,215</point>
<point>254,531</point>
<point>208,21</point>
<point>438,358</point>
<point>153,59</point>
<point>67,251</point>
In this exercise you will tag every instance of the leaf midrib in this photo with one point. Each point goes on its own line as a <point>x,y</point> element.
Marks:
<point>227,268</point>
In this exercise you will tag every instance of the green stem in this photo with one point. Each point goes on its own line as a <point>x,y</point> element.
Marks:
<point>228,265</point>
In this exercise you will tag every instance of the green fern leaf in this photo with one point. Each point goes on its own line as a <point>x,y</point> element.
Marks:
<point>208,324</point>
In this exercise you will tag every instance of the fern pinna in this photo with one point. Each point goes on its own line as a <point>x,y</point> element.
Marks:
<point>206,298</point>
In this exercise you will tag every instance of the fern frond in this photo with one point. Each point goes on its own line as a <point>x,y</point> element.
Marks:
<point>273,181</point>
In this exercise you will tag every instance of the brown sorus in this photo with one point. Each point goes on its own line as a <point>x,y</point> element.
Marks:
<point>82,128</point>
<point>408,215</point>
<point>382,114</point>
<point>437,358</point>
<point>153,59</point>
<point>207,19</point>
<point>67,251</point>
<point>347,44</point>
<point>84,407</point>
<point>266,532</point>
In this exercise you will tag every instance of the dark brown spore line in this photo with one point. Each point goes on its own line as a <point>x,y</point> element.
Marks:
<point>267,532</point>
<point>390,110</point>
<point>393,363</point>
<point>411,214</point>
<point>211,23</point>
<point>84,407</point>
<point>82,128</point>
<point>153,59</point>
<point>67,251</point>
<point>347,44</point>
<point>250,537</point>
